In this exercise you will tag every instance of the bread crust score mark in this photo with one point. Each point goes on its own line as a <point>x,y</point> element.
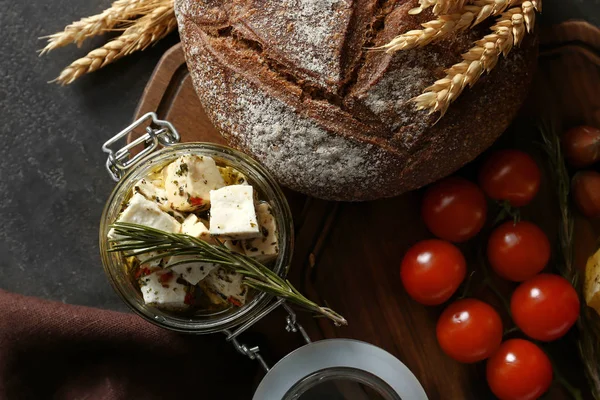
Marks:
<point>404,148</point>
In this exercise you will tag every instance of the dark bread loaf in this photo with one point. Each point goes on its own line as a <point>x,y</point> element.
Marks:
<point>291,83</point>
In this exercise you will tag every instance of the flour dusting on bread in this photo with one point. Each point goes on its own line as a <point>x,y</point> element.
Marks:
<point>299,150</point>
<point>308,29</point>
<point>271,78</point>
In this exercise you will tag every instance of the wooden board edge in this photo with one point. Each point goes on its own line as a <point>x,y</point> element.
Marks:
<point>167,66</point>
<point>573,31</point>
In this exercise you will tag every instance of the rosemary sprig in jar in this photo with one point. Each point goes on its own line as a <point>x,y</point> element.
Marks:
<point>139,239</point>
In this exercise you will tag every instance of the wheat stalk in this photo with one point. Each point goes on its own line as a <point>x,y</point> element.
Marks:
<point>114,16</point>
<point>138,36</point>
<point>508,31</point>
<point>439,6</point>
<point>468,17</point>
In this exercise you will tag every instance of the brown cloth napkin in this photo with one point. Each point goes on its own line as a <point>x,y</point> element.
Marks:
<point>51,350</point>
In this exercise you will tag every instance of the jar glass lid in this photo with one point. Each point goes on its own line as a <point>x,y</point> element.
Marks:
<point>339,369</point>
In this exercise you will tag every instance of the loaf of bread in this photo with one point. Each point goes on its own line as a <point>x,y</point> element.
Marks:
<point>294,84</point>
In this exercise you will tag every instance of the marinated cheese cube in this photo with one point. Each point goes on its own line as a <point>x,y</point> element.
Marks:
<point>189,180</point>
<point>232,213</point>
<point>177,215</point>
<point>161,288</point>
<point>227,284</point>
<point>234,245</point>
<point>263,248</point>
<point>195,227</point>
<point>192,272</point>
<point>148,256</point>
<point>214,297</point>
<point>142,211</point>
<point>153,191</point>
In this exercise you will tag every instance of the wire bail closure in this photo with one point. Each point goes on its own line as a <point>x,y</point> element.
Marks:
<point>252,353</point>
<point>159,132</point>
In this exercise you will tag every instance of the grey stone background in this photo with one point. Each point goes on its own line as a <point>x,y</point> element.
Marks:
<point>53,185</point>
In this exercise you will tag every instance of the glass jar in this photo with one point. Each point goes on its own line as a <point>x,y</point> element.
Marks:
<point>115,269</point>
<point>321,367</point>
<point>339,369</point>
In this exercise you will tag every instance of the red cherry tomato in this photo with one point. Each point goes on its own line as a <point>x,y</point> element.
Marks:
<point>519,370</point>
<point>469,330</point>
<point>454,209</point>
<point>581,145</point>
<point>586,192</point>
<point>518,251</point>
<point>510,175</point>
<point>545,307</point>
<point>432,270</point>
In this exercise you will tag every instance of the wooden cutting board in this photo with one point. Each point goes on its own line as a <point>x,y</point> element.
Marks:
<point>348,254</point>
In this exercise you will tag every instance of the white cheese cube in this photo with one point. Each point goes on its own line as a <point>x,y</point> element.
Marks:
<point>142,211</point>
<point>195,227</point>
<point>188,181</point>
<point>234,245</point>
<point>147,256</point>
<point>263,248</point>
<point>192,272</point>
<point>152,190</point>
<point>227,284</point>
<point>177,215</point>
<point>232,212</point>
<point>161,288</point>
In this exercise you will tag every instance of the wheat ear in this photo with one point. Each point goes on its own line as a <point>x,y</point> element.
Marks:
<point>119,12</point>
<point>508,31</point>
<point>439,6</point>
<point>443,25</point>
<point>138,36</point>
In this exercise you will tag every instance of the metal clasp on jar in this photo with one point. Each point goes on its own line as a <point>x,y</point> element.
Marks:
<point>159,132</point>
<point>292,325</point>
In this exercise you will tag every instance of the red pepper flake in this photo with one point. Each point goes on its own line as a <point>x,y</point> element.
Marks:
<point>166,277</point>
<point>196,201</point>
<point>234,301</point>
<point>142,271</point>
<point>189,298</point>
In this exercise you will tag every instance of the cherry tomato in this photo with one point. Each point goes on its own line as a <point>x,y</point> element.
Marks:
<point>586,193</point>
<point>545,307</point>
<point>510,175</point>
<point>432,270</point>
<point>518,251</point>
<point>469,330</point>
<point>581,145</point>
<point>454,209</point>
<point>519,370</point>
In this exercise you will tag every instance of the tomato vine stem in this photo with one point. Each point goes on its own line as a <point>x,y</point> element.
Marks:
<point>573,391</point>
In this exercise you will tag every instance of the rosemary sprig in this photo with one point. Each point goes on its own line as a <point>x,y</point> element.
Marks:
<point>561,180</point>
<point>139,239</point>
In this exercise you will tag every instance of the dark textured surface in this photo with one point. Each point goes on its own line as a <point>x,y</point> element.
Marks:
<point>53,184</point>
